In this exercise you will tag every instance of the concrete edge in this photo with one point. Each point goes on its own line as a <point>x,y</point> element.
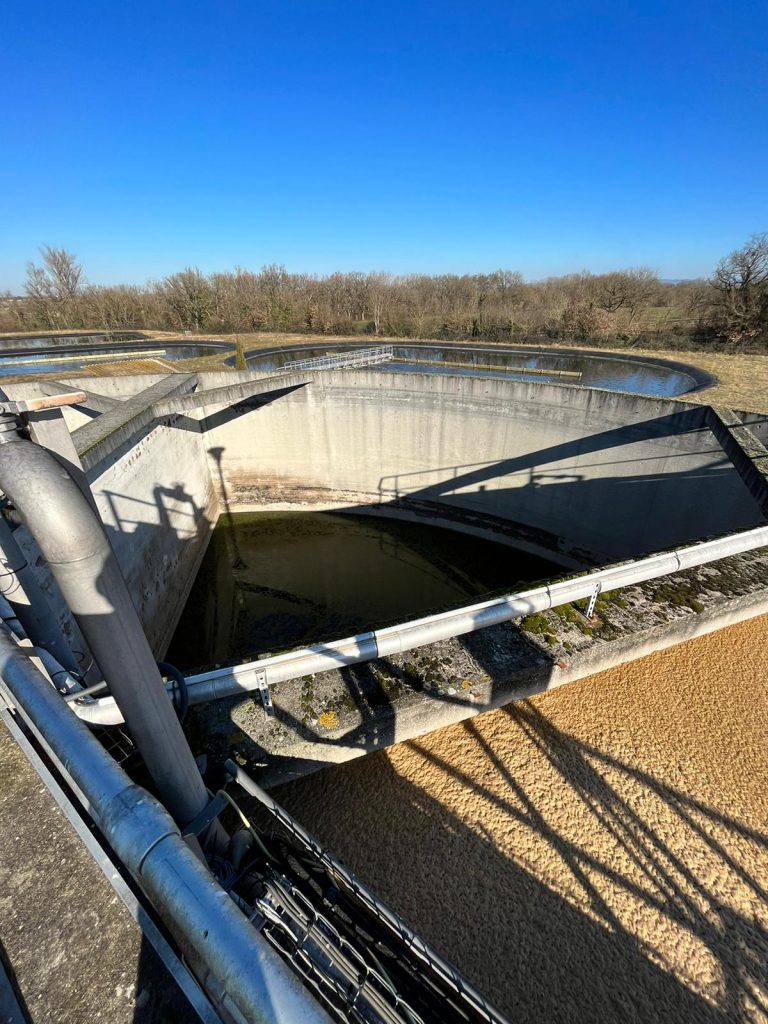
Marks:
<point>412,721</point>
<point>747,453</point>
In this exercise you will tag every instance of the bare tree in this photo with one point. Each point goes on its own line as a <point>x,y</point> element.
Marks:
<point>741,283</point>
<point>188,299</point>
<point>114,308</point>
<point>378,289</point>
<point>53,288</point>
<point>629,304</point>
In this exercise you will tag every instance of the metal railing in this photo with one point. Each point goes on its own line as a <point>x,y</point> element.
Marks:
<point>360,357</point>
<point>380,643</point>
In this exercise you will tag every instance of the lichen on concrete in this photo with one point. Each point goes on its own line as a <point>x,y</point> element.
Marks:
<point>335,715</point>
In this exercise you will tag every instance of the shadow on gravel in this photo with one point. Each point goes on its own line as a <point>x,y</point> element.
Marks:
<point>589,954</point>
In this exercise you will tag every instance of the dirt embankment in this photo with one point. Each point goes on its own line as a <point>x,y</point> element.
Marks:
<point>595,854</point>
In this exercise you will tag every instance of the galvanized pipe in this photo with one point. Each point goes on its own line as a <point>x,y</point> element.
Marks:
<point>20,588</point>
<point>72,539</point>
<point>205,922</point>
<point>380,643</point>
<point>61,677</point>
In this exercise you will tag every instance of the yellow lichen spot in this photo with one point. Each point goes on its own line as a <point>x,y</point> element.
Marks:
<point>328,719</point>
<point>465,684</point>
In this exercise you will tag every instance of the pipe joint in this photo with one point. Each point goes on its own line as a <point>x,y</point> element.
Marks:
<point>134,824</point>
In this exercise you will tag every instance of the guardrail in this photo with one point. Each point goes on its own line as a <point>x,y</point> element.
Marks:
<point>360,357</point>
<point>380,643</point>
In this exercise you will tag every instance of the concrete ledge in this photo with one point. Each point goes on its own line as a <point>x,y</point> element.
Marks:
<point>335,716</point>
<point>746,451</point>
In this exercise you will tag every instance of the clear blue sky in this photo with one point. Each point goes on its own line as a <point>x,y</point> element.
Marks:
<point>436,137</point>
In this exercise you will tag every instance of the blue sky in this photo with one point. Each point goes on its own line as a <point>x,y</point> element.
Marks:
<point>426,137</point>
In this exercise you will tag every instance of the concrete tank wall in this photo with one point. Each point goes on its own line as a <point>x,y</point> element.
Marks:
<point>158,504</point>
<point>594,475</point>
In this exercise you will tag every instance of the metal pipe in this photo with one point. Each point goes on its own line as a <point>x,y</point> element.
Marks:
<point>380,643</point>
<point>20,588</point>
<point>61,678</point>
<point>72,539</point>
<point>202,918</point>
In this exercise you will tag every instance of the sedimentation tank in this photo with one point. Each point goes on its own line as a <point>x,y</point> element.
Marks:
<point>611,489</point>
<point>582,476</point>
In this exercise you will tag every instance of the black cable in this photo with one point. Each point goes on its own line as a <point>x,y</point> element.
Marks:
<point>87,692</point>
<point>179,681</point>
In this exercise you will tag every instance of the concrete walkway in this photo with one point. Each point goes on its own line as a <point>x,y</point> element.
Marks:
<point>68,945</point>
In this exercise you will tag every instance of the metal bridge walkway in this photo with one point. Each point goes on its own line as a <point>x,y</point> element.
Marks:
<point>360,357</point>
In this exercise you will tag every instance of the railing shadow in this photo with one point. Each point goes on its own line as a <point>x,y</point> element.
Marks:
<point>557,927</point>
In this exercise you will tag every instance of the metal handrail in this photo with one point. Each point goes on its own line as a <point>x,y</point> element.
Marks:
<point>379,643</point>
<point>360,357</point>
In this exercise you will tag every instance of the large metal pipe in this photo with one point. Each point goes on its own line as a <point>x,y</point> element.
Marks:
<point>72,539</point>
<point>212,932</point>
<point>20,588</point>
<point>379,643</point>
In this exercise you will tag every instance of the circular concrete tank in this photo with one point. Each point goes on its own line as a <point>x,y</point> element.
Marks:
<point>581,475</point>
<point>642,375</point>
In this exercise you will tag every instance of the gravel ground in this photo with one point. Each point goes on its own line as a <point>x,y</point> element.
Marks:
<point>598,853</point>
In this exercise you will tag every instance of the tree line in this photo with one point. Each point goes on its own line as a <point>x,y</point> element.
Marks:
<point>630,307</point>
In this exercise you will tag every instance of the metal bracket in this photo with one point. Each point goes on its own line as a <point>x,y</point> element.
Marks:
<point>209,813</point>
<point>266,697</point>
<point>593,601</point>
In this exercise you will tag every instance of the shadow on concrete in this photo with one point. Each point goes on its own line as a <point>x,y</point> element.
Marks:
<point>539,954</point>
<point>518,495</point>
<point>158,573</point>
<point>687,421</point>
<point>13,1006</point>
<point>231,412</point>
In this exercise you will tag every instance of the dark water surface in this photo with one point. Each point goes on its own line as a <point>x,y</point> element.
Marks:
<point>271,581</point>
<point>46,341</point>
<point>616,373</point>
<point>70,354</point>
